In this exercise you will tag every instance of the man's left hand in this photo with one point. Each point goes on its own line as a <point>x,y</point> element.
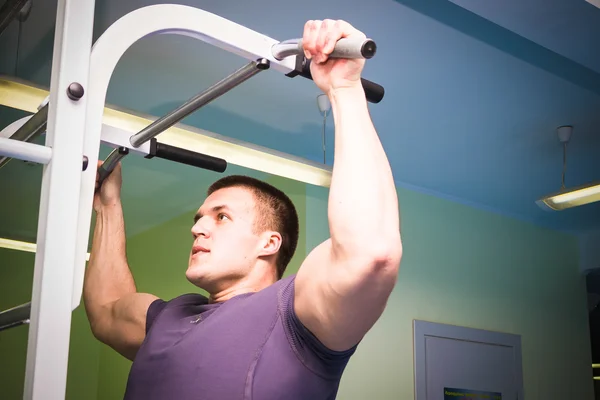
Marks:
<point>331,74</point>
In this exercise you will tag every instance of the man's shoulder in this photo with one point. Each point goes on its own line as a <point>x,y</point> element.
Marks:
<point>278,292</point>
<point>286,281</point>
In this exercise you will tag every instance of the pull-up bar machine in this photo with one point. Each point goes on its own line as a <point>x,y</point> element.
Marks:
<point>15,316</point>
<point>79,83</point>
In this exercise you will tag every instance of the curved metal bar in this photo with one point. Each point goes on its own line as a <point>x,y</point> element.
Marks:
<point>106,53</point>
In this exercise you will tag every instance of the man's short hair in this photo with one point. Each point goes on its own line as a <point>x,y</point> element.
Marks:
<point>274,211</point>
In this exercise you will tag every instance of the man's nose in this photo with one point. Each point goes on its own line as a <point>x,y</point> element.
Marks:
<point>200,228</point>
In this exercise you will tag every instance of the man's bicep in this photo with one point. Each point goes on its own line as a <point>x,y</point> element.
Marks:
<point>128,322</point>
<point>340,300</point>
<point>315,355</point>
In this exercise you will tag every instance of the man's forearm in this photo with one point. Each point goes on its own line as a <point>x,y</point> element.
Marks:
<point>107,276</point>
<point>363,203</point>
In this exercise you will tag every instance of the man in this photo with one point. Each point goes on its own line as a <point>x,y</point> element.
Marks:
<point>258,336</point>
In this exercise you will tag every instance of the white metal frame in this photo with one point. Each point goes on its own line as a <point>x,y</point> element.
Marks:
<point>25,151</point>
<point>108,50</point>
<point>128,122</point>
<point>67,191</point>
<point>111,136</point>
<point>55,264</point>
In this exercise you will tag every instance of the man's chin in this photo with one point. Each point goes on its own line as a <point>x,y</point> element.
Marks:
<point>196,275</point>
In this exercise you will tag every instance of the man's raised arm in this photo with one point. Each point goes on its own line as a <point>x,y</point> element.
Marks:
<point>344,284</point>
<point>117,313</point>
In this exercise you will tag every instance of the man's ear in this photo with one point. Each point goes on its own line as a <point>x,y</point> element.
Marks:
<point>271,242</point>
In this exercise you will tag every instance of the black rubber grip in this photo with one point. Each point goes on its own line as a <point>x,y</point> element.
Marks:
<point>188,157</point>
<point>103,173</point>
<point>110,163</point>
<point>373,91</point>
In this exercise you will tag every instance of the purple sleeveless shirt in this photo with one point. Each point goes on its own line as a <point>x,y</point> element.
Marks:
<point>251,347</point>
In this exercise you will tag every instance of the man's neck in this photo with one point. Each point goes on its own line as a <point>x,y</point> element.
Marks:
<point>247,285</point>
<point>231,292</point>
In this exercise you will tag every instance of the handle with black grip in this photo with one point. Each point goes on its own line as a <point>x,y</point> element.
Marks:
<point>350,48</point>
<point>188,157</point>
<point>373,91</point>
<point>167,152</point>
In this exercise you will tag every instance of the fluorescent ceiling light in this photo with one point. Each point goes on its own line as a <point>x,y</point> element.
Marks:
<point>27,97</point>
<point>23,246</point>
<point>571,198</point>
<point>594,2</point>
<point>568,198</point>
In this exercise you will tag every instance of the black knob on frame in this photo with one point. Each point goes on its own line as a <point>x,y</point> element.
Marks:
<point>75,91</point>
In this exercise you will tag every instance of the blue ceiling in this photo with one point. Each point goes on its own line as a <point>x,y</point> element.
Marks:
<point>474,90</point>
<point>569,28</point>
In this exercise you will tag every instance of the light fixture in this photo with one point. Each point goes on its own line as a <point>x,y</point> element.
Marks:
<point>23,246</point>
<point>324,106</point>
<point>576,196</point>
<point>27,97</point>
<point>594,2</point>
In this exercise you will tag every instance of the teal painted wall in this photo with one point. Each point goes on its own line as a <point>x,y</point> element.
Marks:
<point>468,267</point>
<point>461,266</point>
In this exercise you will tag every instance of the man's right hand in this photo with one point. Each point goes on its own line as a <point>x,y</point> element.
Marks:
<point>109,194</point>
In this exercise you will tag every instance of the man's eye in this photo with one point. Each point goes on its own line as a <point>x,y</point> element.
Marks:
<point>221,216</point>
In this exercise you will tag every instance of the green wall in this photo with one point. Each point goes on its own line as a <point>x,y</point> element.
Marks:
<point>16,274</point>
<point>461,266</point>
<point>16,277</point>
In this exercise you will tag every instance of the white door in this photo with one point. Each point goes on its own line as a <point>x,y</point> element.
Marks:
<point>458,363</point>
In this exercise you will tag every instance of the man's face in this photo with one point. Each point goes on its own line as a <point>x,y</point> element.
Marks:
<point>225,244</point>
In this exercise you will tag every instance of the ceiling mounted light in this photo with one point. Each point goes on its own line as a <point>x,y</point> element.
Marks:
<point>573,197</point>
<point>25,96</point>
<point>23,246</point>
<point>594,2</point>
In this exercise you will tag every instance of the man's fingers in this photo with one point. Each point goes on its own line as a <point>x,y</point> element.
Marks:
<point>331,33</point>
<point>309,38</point>
<point>320,37</point>
<point>348,30</point>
